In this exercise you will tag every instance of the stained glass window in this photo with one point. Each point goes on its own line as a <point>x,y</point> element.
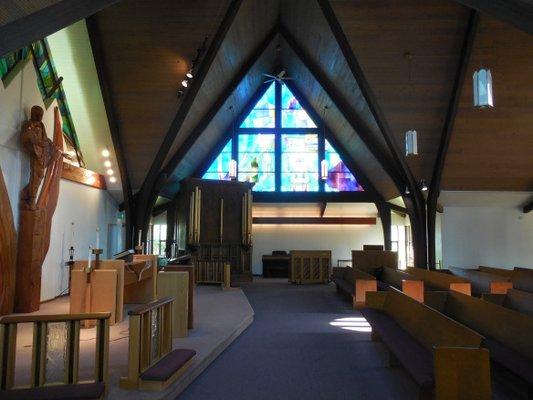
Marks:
<point>292,113</point>
<point>219,169</point>
<point>263,113</point>
<point>257,161</point>
<point>340,179</point>
<point>299,163</point>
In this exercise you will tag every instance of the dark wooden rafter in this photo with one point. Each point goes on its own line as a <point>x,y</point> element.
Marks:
<point>415,199</point>
<point>384,211</point>
<point>323,207</point>
<point>101,70</point>
<point>35,26</point>
<point>313,197</point>
<point>434,188</point>
<point>397,208</point>
<point>514,12</point>
<point>348,160</point>
<point>219,102</point>
<point>149,189</point>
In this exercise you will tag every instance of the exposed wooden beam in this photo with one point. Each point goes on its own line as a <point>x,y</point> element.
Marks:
<point>101,70</point>
<point>83,176</point>
<point>397,208</point>
<point>360,126</point>
<point>528,207</point>
<point>219,102</point>
<point>518,13</point>
<point>148,194</point>
<point>453,105</point>
<point>313,197</point>
<point>417,212</point>
<point>345,156</point>
<point>323,207</point>
<point>42,23</point>
<point>384,211</point>
<point>315,220</point>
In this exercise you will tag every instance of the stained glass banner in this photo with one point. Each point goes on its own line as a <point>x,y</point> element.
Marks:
<point>340,179</point>
<point>292,113</point>
<point>263,113</point>
<point>299,163</point>
<point>257,161</point>
<point>219,169</point>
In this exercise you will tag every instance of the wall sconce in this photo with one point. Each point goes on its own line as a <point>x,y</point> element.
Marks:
<point>483,89</point>
<point>233,169</point>
<point>324,170</point>
<point>411,143</point>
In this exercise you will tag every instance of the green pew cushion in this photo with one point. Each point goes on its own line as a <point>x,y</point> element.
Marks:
<point>82,391</point>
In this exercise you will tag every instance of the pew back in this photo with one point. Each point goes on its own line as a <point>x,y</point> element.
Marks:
<point>502,324</point>
<point>482,282</point>
<point>523,279</point>
<point>496,271</point>
<point>430,327</point>
<point>437,280</point>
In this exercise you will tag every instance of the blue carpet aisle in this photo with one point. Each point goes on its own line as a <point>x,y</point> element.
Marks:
<point>305,343</point>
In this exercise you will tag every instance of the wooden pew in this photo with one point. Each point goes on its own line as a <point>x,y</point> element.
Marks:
<point>483,282</point>
<point>354,283</point>
<point>443,357</point>
<point>514,299</point>
<point>369,260</point>
<point>152,364</point>
<point>310,266</point>
<point>45,333</point>
<point>507,332</point>
<point>434,280</point>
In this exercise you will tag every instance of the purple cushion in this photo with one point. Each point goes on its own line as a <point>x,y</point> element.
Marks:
<point>412,355</point>
<point>515,362</point>
<point>82,391</point>
<point>168,365</point>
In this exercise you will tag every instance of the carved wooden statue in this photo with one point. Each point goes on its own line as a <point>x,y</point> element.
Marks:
<point>8,252</point>
<point>42,152</point>
<point>37,207</point>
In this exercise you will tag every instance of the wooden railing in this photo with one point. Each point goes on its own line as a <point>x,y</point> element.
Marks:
<point>150,338</point>
<point>43,325</point>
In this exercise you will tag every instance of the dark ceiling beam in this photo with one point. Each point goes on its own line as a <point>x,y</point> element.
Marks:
<point>345,156</point>
<point>518,13</point>
<point>313,197</point>
<point>453,105</point>
<point>344,107</point>
<point>384,211</point>
<point>323,207</point>
<point>528,207</point>
<point>42,23</point>
<point>315,220</point>
<point>149,189</point>
<point>219,102</point>
<point>418,210</point>
<point>101,70</point>
<point>397,208</point>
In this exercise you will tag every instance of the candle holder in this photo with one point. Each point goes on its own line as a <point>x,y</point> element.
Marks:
<point>139,249</point>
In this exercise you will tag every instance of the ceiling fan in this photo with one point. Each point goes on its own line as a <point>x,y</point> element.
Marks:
<point>279,77</point>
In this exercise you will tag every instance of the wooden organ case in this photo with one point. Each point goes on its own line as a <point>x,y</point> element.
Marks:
<point>214,223</point>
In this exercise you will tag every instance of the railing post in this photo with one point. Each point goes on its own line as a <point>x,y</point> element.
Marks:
<point>8,348</point>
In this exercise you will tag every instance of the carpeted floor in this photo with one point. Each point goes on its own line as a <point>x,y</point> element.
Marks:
<point>305,343</point>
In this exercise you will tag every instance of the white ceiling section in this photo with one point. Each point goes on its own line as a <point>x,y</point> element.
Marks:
<point>484,199</point>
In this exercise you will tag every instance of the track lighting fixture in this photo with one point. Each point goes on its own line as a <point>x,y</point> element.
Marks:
<point>423,185</point>
<point>189,74</point>
<point>185,83</point>
<point>407,190</point>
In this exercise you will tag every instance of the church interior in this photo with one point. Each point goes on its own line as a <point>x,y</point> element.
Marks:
<point>266,199</point>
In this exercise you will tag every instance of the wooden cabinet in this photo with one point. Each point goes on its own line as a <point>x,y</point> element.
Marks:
<point>214,223</point>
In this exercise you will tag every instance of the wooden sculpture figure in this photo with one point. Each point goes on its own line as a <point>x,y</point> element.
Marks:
<point>37,207</point>
<point>42,152</point>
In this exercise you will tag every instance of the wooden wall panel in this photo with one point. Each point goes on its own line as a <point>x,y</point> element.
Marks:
<point>492,149</point>
<point>413,92</point>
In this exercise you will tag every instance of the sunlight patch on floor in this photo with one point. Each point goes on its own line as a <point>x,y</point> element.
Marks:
<point>357,324</point>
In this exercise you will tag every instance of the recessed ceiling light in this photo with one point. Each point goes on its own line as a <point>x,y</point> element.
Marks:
<point>189,74</point>
<point>184,83</point>
<point>105,153</point>
<point>107,164</point>
<point>112,179</point>
<point>110,172</point>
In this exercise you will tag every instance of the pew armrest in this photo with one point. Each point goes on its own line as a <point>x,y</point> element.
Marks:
<point>462,373</point>
<point>413,289</point>
<point>500,287</point>
<point>464,288</point>
<point>362,287</point>
<point>494,298</point>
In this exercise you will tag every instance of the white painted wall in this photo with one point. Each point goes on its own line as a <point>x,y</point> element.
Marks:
<point>86,207</point>
<point>340,239</point>
<point>495,234</point>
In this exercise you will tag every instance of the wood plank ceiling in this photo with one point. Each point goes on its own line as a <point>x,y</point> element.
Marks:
<point>12,10</point>
<point>409,52</point>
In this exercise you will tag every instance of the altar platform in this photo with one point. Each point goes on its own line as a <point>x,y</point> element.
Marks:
<point>220,317</point>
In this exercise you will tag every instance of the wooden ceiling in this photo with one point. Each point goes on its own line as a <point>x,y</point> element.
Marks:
<point>12,10</point>
<point>409,52</point>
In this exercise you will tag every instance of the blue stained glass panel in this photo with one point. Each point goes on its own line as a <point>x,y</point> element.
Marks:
<point>340,179</point>
<point>257,143</point>
<point>219,168</point>
<point>263,113</point>
<point>292,113</point>
<point>299,163</point>
<point>257,161</point>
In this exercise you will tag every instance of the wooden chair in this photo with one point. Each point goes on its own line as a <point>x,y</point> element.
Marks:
<point>40,386</point>
<point>152,364</point>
